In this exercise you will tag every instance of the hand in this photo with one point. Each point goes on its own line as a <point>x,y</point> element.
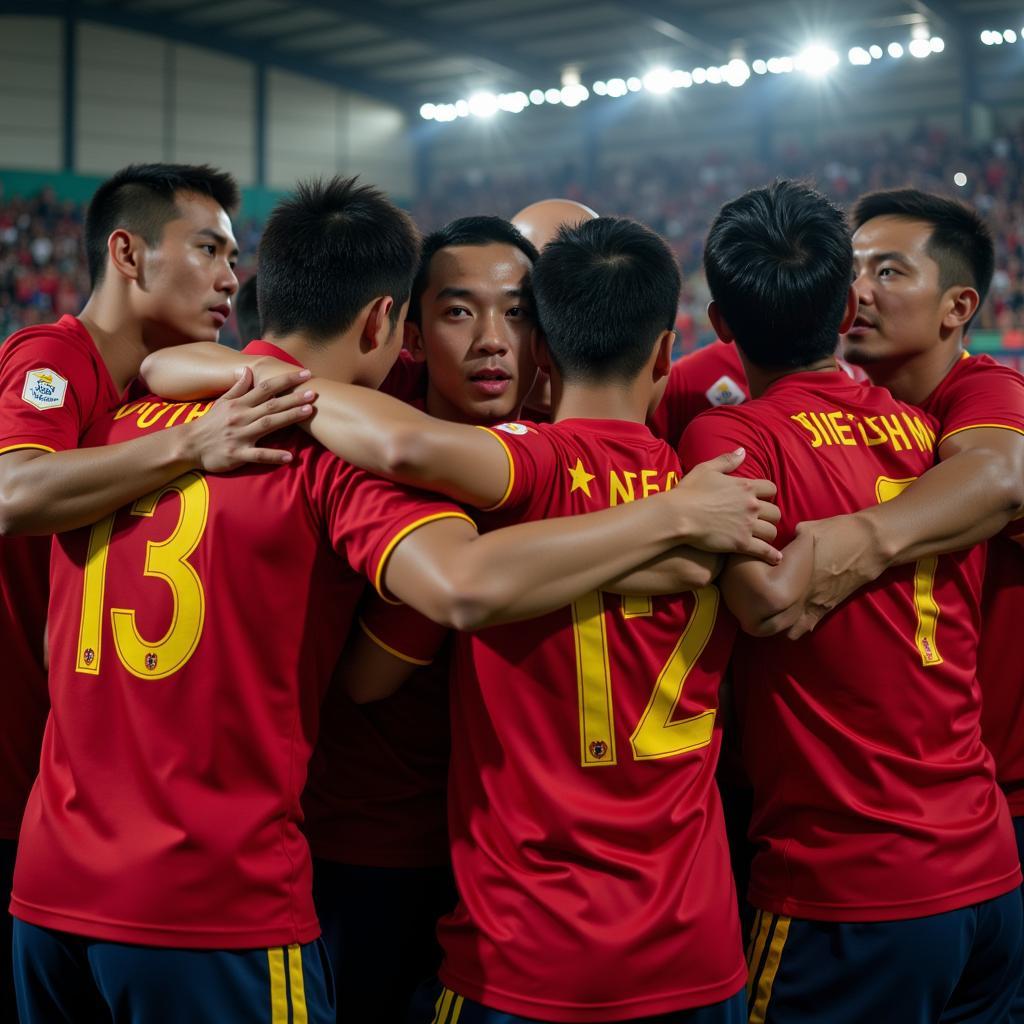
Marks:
<point>727,513</point>
<point>844,561</point>
<point>225,437</point>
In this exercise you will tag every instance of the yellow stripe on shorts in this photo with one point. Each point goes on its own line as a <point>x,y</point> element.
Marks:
<point>297,984</point>
<point>759,1010</point>
<point>278,988</point>
<point>448,1007</point>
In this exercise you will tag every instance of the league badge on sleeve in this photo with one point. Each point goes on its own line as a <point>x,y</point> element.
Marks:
<point>516,429</point>
<point>725,391</point>
<point>44,389</point>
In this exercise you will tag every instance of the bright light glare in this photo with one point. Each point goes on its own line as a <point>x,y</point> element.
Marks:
<point>681,79</point>
<point>858,55</point>
<point>600,89</point>
<point>462,108</point>
<point>736,72</point>
<point>617,87</point>
<point>574,95</point>
<point>960,179</point>
<point>920,48</point>
<point>658,80</point>
<point>817,60</point>
<point>634,84</point>
<point>553,95</point>
<point>876,52</point>
<point>895,50</point>
<point>483,104</point>
<point>760,67</point>
<point>938,44</point>
<point>537,97</point>
<point>427,111</point>
<point>715,76</point>
<point>700,76</point>
<point>1010,36</point>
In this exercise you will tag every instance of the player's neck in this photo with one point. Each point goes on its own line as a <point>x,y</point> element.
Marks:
<point>598,402</point>
<point>760,379</point>
<point>337,361</point>
<point>913,380</point>
<point>116,333</point>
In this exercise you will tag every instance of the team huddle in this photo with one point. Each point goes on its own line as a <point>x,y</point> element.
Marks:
<point>451,655</point>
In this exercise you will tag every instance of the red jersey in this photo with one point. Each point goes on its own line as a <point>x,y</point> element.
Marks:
<point>587,837</point>
<point>379,776</point>
<point>191,644</point>
<point>53,384</point>
<point>407,380</point>
<point>705,379</point>
<point>979,392</point>
<point>874,796</point>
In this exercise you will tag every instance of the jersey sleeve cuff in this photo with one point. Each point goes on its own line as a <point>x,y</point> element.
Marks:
<point>394,652</point>
<point>511,470</point>
<point>25,445</point>
<point>378,576</point>
<point>980,426</point>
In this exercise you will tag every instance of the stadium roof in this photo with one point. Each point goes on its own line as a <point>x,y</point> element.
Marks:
<point>411,51</point>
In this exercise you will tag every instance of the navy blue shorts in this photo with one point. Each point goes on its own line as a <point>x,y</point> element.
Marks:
<point>66,979</point>
<point>449,1008</point>
<point>379,926</point>
<point>8,1012</point>
<point>962,966</point>
<point>1017,1009</point>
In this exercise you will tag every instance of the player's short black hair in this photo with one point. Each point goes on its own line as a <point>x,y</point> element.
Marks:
<point>329,249</point>
<point>779,262</point>
<point>605,289</point>
<point>247,312</point>
<point>960,243</point>
<point>140,199</point>
<point>465,231</point>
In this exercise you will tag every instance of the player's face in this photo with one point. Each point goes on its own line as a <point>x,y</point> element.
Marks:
<point>476,330</point>
<point>897,285</point>
<point>188,279</point>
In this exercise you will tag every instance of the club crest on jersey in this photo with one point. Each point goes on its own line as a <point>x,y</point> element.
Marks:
<point>151,661</point>
<point>725,391</point>
<point>88,655</point>
<point>44,389</point>
<point>599,749</point>
<point>513,428</point>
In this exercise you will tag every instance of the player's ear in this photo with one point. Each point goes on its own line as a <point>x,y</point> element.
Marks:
<point>413,341</point>
<point>541,355</point>
<point>961,304</point>
<point>850,313</point>
<point>377,328</point>
<point>718,322</point>
<point>663,354</point>
<point>125,251</point>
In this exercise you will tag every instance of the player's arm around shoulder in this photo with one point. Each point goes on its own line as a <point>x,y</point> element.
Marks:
<point>388,437</point>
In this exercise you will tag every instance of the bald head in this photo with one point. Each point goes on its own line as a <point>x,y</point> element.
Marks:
<point>540,222</point>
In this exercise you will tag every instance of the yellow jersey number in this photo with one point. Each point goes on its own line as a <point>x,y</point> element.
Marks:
<point>925,606</point>
<point>166,559</point>
<point>656,735</point>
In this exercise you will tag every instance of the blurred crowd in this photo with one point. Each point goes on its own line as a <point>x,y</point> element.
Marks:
<point>43,275</point>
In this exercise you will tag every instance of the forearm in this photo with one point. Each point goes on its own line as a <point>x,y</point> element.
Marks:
<point>186,372</point>
<point>61,491</point>
<point>679,570</point>
<point>768,599</point>
<point>960,502</point>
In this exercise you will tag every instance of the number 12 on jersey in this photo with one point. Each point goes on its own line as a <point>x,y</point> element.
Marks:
<point>656,735</point>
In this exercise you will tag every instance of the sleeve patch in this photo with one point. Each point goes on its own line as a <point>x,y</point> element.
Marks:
<point>44,389</point>
<point>517,429</point>
<point>725,391</point>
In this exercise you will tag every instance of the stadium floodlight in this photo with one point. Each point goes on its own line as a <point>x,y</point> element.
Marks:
<point>427,111</point>
<point>817,60</point>
<point>736,72</point>
<point>786,65</point>
<point>537,97</point>
<point>462,108</point>
<point>760,67</point>
<point>875,51</point>
<point>634,84</point>
<point>617,87</point>
<point>658,80</point>
<point>920,48</point>
<point>1010,36</point>
<point>600,89</point>
<point>858,55</point>
<point>714,76</point>
<point>960,179</point>
<point>483,104</point>
<point>937,43</point>
<point>681,79</point>
<point>895,50</point>
<point>553,95</point>
<point>574,94</point>
<point>700,76</point>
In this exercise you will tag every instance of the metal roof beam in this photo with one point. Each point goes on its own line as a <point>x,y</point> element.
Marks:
<point>683,28</point>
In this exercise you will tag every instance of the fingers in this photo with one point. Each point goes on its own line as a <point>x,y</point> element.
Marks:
<point>270,423</point>
<point>769,512</point>
<point>764,489</point>
<point>241,385</point>
<point>264,456</point>
<point>267,389</point>
<point>764,531</point>
<point>727,463</point>
<point>807,621</point>
<point>761,550</point>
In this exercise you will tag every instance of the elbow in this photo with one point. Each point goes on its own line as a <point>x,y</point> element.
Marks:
<point>701,575</point>
<point>402,452</point>
<point>12,517</point>
<point>467,602</point>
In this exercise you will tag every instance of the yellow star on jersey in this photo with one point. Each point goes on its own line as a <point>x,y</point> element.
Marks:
<point>580,479</point>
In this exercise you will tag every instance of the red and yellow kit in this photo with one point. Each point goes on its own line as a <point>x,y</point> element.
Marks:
<point>587,835</point>
<point>191,644</point>
<point>53,384</point>
<point>979,392</point>
<point>379,775</point>
<point>874,796</point>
